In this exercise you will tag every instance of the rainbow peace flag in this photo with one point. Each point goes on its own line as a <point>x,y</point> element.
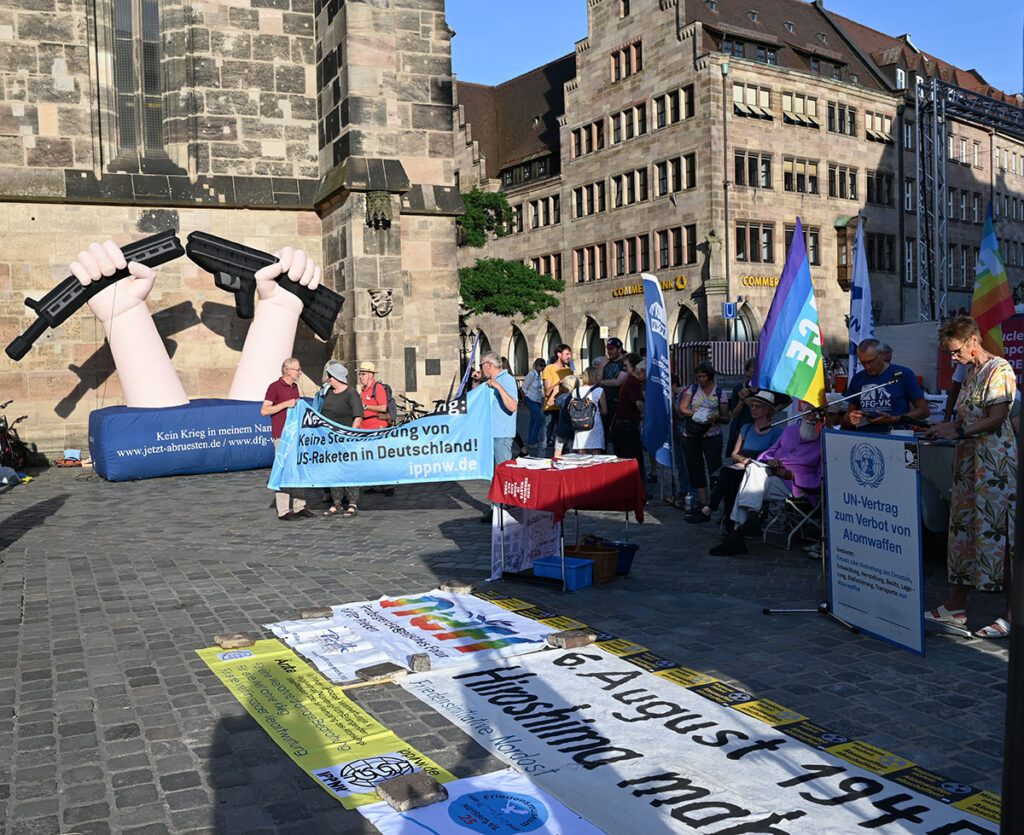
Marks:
<point>992,303</point>
<point>789,348</point>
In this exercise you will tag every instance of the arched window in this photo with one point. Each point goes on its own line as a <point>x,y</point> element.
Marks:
<point>482,348</point>
<point>636,336</point>
<point>744,327</point>
<point>518,356</point>
<point>551,338</point>
<point>687,328</point>
<point>593,345</point>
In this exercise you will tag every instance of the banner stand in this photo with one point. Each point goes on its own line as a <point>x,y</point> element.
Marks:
<point>824,608</point>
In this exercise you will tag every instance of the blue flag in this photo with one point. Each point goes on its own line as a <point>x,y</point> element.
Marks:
<point>862,322</point>
<point>789,348</point>
<point>657,433</point>
<point>452,445</point>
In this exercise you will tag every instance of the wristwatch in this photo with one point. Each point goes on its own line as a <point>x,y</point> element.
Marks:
<point>960,434</point>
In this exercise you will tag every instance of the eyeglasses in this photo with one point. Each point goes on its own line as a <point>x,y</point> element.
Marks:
<point>955,352</point>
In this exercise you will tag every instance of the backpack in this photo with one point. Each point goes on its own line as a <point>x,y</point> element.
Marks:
<point>392,405</point>
<point>582,412</point>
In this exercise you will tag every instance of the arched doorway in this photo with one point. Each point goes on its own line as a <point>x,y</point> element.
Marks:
<point>744,327</point>
<point>551,338</point>
<point>592,348</point>
<point>636,336</point>
<point>687,328</point>
<point>518,356</point>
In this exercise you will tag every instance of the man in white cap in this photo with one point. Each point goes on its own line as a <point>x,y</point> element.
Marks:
<point>281,395</point>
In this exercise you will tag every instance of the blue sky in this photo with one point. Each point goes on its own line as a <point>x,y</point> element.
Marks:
<point>497,40</point>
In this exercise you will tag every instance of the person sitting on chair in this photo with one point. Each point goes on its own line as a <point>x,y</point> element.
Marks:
<point>789,467</point>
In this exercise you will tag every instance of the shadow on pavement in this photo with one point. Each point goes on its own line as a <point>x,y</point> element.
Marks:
<point>20,523</point>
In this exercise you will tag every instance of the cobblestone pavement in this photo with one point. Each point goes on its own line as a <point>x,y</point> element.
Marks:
<point>110,722</point>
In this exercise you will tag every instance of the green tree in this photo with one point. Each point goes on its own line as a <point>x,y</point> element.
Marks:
<point>485,212</point>
<point>506,288</point>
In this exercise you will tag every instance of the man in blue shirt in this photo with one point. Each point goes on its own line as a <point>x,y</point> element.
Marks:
<point>884,408</point>
<point>503,410</point>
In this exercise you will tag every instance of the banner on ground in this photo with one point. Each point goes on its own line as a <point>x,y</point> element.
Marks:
<point>657,431</point>
<point>528,534</point>
<point>503,803</point>
<point>450,446</point>
<point>873,494</point>
<point>639,753</point>
<point>344,749</point>
<point>453,629</point>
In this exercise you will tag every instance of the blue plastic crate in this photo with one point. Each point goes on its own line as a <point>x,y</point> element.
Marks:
<point>578,573</point>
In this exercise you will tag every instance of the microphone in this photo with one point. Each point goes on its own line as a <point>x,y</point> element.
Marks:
<point>896,375</point>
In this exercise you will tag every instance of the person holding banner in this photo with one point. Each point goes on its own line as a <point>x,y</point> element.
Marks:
<point>282,395</point>
<point>340,403</point>
<point>982,510</point>
<point>533,397</point>
<point>503,412</point>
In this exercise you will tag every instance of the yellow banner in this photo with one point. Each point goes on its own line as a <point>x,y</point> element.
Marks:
<point>329,736</point>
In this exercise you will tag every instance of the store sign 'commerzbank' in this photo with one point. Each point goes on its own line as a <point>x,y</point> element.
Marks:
<point>677,283</point>
<point>761,280</point>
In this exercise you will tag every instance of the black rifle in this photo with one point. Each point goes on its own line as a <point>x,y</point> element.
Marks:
<point>53,309</point>
<point>234,269</point>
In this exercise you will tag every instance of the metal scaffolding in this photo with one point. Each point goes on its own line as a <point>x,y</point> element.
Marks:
<point>936,101</point>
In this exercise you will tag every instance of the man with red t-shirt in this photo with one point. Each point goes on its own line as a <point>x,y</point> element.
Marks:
<point>281,395</point>
<point>375,399</point>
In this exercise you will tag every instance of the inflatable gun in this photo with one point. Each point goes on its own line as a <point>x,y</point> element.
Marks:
<point>53,309</point>
<point>234,269</point>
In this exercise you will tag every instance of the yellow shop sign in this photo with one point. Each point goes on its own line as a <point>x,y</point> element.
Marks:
<point>677,283</point>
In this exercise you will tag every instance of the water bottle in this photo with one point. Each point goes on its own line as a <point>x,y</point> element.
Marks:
<point>688,503</point>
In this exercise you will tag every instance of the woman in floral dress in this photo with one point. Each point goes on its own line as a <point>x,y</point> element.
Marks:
<point>982,510</point>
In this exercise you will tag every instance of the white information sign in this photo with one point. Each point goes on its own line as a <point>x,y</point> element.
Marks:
<point>528,535</point>
<point>872,485</point>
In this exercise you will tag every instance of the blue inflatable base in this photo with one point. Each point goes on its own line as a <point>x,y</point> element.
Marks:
<point>204,436</point>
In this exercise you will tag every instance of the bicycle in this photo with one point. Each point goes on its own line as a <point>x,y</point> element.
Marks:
<point>13,451</point>
<point>409,410</point>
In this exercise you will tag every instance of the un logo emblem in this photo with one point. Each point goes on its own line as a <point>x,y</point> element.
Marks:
<point>867,465</point>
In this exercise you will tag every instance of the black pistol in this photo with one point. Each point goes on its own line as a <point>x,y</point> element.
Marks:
<point>234,269</point>
<point>53,309</point>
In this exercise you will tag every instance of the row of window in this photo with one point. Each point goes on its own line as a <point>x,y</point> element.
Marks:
<point>673,247</point>
<point>755,242</point>
<point>669,108</point>
<point>526,172</point>
<point>671,176</point>
<point>754,168</point>
<point>958,151</point>
<point>1009,208</point>
<point>1006,160</point>
<point>627,60</point>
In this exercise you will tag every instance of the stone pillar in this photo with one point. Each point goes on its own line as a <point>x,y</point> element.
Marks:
<point>387,191</point>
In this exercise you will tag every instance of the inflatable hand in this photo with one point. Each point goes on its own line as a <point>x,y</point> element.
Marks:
<point>271,336</point>
<point>104,260</point>
<point>299,267</point>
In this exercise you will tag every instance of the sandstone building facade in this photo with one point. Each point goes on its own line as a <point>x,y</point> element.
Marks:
<point>320,124</point>
<point>685,137</point>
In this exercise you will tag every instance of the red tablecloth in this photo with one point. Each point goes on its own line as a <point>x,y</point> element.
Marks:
<point>612,486</point>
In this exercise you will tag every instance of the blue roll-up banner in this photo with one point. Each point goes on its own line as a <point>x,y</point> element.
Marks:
<point>451,445</point>
<point>657,431</point>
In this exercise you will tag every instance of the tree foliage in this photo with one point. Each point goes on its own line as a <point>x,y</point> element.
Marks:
<point>485,212</point>
<point>507,288</point>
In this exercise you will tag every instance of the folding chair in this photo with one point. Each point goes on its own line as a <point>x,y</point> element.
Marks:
<point>800,513</point>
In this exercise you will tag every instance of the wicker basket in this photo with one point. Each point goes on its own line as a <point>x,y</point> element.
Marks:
<point>605,557</point>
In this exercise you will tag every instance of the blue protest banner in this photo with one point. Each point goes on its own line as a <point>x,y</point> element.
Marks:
<point>657,432</point>
<point>452,445</point>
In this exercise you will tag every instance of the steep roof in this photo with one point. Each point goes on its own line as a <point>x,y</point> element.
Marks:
<point>886,50</point>
<point>518,119</point>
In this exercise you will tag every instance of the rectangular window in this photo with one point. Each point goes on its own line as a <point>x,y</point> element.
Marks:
<point>517,218</point>
<point>589,262</point>
<point>909,257</point>
<point>626,60</point>
<point>813,246</point>
<point>842,182</point>
<point>138,75</point>
<point>800,175</point>
<point>755,242</point>
<point>977,155</point>
<point>841,118</point>
<point>908,136</point>
<point>908,196</point>
<point>753,168</point>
